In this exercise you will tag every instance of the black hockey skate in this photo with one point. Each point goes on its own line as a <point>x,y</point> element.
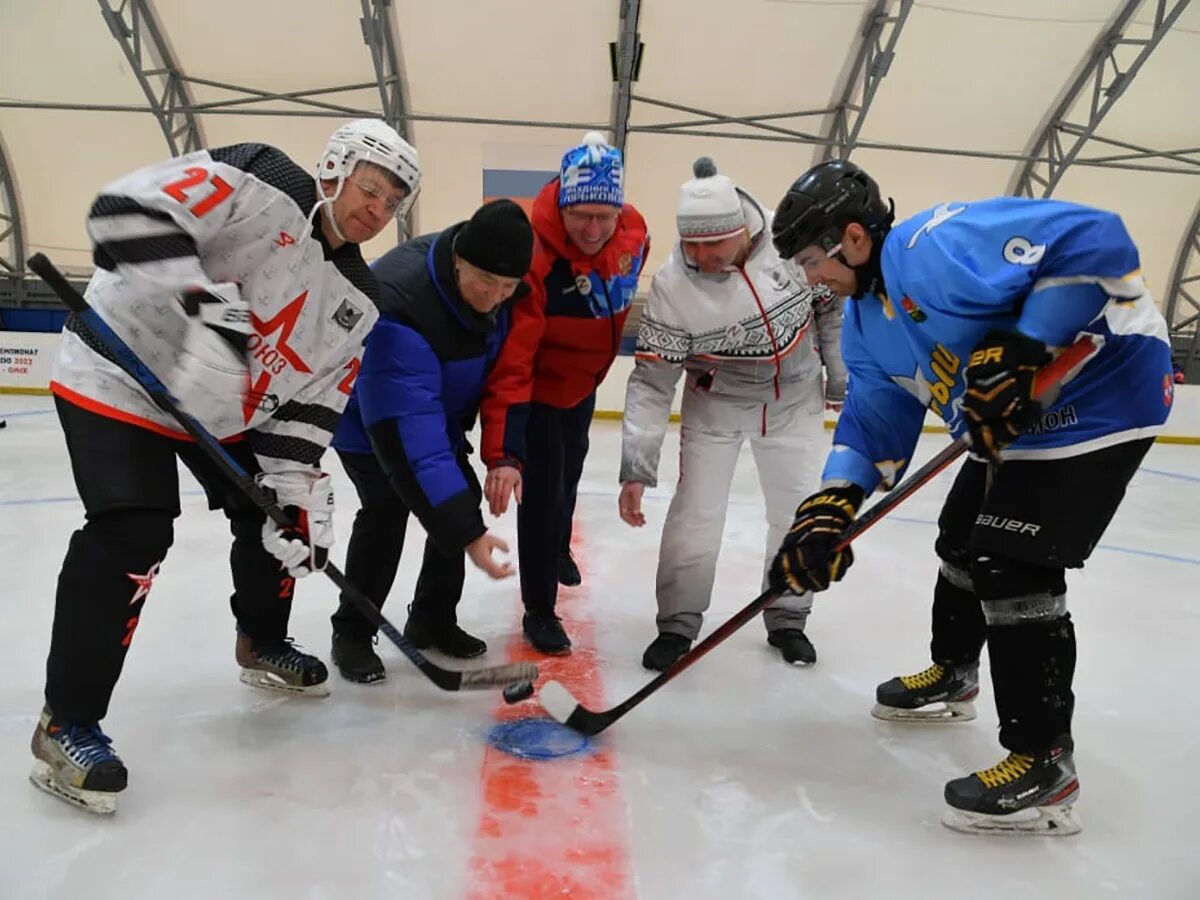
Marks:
<point>664,650</point>
<point>1022,794</point>
<point>356,659</point>
<point>952,688</point>
<point>76,763</point>
<point>281,667</point>
<point>568,570</point>
<point>793,645</point>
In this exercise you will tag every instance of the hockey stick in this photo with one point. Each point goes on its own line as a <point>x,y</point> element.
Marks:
<point>560,703</point>
<point>122,355</point>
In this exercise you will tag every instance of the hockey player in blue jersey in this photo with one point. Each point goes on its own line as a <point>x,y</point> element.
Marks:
<point>954,310</point>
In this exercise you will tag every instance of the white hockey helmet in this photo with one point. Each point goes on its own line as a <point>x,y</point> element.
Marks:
<point>373,141</point>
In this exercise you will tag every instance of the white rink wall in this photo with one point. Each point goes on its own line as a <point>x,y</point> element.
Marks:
<point>1183,426</point>
<point>27,359</point>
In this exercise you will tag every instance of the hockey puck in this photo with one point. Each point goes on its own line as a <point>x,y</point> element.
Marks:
<point>515,693</point>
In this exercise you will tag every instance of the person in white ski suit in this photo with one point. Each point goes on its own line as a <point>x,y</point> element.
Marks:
<point>751,336</point>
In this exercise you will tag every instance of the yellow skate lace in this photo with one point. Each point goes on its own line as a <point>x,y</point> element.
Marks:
<point>929,677</point>
<point>1006,771</point>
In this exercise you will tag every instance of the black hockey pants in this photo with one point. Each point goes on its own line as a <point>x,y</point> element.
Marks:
<point>128,480</point>
<point>1005,546</point>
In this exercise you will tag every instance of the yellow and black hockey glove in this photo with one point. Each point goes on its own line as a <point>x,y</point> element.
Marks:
<point>998,404</point>
<point>806,561</point>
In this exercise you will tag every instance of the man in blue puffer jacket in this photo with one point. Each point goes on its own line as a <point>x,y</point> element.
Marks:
<point>444,316</point>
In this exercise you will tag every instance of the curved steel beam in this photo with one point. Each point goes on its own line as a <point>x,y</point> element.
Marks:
<point>1059,142</point>
<point>379,34</point>
<point>12,234</point>
<point>1183,301</point>
<point>628,53</point>
<point>380,37</point>
<point>141,39</point>
<point>872,59</point>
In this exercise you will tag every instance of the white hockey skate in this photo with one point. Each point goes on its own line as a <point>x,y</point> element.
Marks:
<point>281,667</point>
<point>938,695</point>
<point>76,763</point>
<point>1021,795</point>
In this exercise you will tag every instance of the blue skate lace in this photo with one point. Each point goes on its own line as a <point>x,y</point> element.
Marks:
<point>85,744</point>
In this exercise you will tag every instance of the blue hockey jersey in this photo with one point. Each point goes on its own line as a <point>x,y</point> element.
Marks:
<point>1049,269</point>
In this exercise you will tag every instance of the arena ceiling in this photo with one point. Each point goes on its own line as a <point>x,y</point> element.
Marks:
<point>1094,101</point>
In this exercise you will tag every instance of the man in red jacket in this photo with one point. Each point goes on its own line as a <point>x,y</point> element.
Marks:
<point>589,250</point>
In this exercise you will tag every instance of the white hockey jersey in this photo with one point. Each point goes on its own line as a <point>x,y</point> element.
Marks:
<point>232,214</point>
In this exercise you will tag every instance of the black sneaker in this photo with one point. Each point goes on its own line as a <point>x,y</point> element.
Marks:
<point>664,650</point>
<point>446,637</point>
<point>568,571</point>
<point>1030,793</point>
<point>356,659</point>
<point>545,632</point>
<point>793,645</point>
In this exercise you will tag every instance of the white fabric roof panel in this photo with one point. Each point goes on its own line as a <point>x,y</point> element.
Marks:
<point>755,56</point>
<point>542,60</point>
<point>1161,107</point>
<point>980,81</point>
<point>968,74</point>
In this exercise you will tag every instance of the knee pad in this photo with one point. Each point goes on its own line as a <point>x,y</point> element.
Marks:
<point>952,552</point>
<point>1018,593</point>
<point>958,573</point>
<point>142,531</point>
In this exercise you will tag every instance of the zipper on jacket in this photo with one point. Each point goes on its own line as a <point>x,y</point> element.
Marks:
<point>770,333</point>
<point>612,328</point>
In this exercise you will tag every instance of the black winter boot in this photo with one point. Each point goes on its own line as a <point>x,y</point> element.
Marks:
<point>664,650</point>
<point>356,659</point>
<point>444,635</point>
<point>545,632</point>
<point>568,571</point>
<point>793,645</point>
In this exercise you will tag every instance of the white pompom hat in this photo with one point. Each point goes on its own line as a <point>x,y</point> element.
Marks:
<point>710,208</point>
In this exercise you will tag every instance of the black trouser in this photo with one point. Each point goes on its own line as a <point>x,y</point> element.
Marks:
<point>1005,538</point>
<point>128,480</point>
<point>376,543</point>
<point>557,445</point>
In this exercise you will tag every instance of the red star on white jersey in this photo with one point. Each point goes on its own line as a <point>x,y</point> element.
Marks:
<point>143,582</point>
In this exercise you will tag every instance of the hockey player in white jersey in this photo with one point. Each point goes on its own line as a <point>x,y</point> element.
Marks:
<point>237,279</point>
<point>750,334</point>
<point>954,310</point>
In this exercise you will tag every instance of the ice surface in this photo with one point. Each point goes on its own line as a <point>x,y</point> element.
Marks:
<point>743,778</point>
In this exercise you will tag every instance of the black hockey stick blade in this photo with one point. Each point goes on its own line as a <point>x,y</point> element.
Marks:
<point>122,355</point>
<point>564,708</point>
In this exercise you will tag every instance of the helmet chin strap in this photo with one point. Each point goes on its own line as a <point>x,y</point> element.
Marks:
<point>869,275</point>
<point>328,203</point>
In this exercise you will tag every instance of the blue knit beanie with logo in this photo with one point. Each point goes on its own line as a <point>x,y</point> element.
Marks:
<point>593,172</point>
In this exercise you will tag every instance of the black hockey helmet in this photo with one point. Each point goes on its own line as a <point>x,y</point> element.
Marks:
<point>822,202</point>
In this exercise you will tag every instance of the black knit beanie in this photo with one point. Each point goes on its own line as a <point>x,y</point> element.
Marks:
<point>497,239</point>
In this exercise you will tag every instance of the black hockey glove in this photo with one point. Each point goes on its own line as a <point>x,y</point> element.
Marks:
<point>806,560</point>
<point>998,404</point>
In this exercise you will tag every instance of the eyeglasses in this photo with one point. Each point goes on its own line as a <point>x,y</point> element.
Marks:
<point>809,263</point>
<point>391,202</point>
<point>600,218</point>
